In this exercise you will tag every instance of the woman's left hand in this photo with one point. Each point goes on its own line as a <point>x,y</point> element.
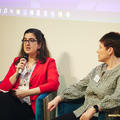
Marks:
<point>29,92</point>
<point>21,93</point>
<point>88,114</point>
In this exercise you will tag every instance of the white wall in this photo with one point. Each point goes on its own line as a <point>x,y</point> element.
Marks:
<point>73,44</point>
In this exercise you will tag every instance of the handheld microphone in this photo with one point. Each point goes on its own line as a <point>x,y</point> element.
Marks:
<point>20,70</point>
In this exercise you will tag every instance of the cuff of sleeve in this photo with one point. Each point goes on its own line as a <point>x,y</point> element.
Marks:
<point>101,107</point>
<point>62,96</point>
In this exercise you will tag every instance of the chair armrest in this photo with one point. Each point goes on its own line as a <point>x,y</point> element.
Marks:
<point>47,114</point>
<point>39,106</point>
<point>42,112</point>
<point>114,115</point>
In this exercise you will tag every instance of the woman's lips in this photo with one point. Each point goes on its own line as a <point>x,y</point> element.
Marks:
<point>27,48</point>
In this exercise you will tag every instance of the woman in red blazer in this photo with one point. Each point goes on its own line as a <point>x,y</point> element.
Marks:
<point>29,78</point>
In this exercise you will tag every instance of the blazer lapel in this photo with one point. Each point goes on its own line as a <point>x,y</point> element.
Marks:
<point>36,70</point>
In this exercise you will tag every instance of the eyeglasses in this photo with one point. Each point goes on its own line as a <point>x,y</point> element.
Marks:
<point>31,40</point>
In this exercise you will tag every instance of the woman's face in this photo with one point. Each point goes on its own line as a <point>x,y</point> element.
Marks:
<point>30,44</point>
<point>103,53</point>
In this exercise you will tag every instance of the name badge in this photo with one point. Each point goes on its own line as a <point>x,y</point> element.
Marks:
<point>96,78</point>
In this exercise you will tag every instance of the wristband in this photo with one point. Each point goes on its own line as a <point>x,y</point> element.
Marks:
<point>96,108</point>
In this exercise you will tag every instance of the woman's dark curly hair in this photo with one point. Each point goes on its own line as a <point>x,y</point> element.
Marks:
<point>43,52</point>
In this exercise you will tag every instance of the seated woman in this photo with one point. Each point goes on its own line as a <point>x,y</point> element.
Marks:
<point>101,87</point>
<point>32,73</point>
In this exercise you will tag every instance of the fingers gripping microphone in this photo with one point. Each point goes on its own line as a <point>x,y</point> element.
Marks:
<point>20,70</point>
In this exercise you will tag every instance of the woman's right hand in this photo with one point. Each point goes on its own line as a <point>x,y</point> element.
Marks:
<point>53,104</point>
<point>21,64</point>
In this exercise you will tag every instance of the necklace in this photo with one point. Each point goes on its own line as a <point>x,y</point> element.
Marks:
<point>29,66</point>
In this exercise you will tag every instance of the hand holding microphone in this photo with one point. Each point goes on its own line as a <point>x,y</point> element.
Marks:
<point>21,65</point>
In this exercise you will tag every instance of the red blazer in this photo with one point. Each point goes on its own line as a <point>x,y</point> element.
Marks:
<point>44,76</point>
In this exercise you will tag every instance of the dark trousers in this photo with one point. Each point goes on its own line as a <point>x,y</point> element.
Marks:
<point>70,116</point>
<point>11,108</point>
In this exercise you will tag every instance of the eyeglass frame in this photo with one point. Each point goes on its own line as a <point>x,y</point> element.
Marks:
<point>31,40</point>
